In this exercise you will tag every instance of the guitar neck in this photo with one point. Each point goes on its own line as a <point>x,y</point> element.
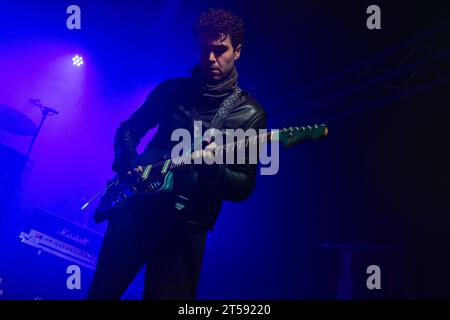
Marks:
<point>224,149</point>
<point>288,136</point>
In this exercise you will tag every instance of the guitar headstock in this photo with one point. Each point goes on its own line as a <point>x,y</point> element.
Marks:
<point>294,135</point>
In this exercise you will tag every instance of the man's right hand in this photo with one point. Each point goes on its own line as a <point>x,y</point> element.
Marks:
<point>136,171</point>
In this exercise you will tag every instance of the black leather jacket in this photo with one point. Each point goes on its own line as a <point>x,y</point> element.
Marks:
<point>176,103</point>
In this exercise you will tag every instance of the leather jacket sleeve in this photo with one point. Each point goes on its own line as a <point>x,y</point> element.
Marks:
<point>236,182</point>
<point>131,131</point>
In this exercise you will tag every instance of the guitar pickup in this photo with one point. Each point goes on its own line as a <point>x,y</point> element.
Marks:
<point>146,172</point>
<point>166,167</point>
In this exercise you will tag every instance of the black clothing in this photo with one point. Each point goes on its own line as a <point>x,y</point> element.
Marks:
<point>221,89</point>
<point>171,247</point>
<point>177,103</point>
<point>173,262</point>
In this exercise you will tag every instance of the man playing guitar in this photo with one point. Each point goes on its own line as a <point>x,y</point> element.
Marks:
<point>153,233</point>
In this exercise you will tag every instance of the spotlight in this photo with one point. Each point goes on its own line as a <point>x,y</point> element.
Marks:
<point>77,61</point>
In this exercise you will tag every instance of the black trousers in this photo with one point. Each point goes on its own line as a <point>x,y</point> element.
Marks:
<point>171,250</point>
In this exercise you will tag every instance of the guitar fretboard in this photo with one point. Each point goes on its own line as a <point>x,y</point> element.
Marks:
<point>225,148</point>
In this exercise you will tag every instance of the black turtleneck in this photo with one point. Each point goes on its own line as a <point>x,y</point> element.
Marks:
<point>220,89</point>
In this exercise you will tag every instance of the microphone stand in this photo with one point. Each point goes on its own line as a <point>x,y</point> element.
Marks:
<point>46,111</point>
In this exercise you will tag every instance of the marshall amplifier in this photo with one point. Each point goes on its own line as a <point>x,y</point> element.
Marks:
<point>52,259</point>
<point>63,238</point>
<point>47,258</point>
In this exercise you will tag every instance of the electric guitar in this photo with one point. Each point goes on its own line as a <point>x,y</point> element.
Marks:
<point>158,176</point>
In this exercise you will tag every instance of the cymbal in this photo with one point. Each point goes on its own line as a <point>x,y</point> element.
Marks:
<point>16,122</point>
<point>8,154</point>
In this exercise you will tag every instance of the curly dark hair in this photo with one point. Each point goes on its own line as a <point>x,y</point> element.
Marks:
<point>217,21</point>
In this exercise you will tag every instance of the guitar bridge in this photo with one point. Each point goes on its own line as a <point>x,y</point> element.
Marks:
<point>181,202</point>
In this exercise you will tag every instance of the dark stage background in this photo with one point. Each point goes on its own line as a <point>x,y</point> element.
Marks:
<point>375,191</point>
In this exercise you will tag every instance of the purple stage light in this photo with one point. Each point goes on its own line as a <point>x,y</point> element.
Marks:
<point>77,61</point>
